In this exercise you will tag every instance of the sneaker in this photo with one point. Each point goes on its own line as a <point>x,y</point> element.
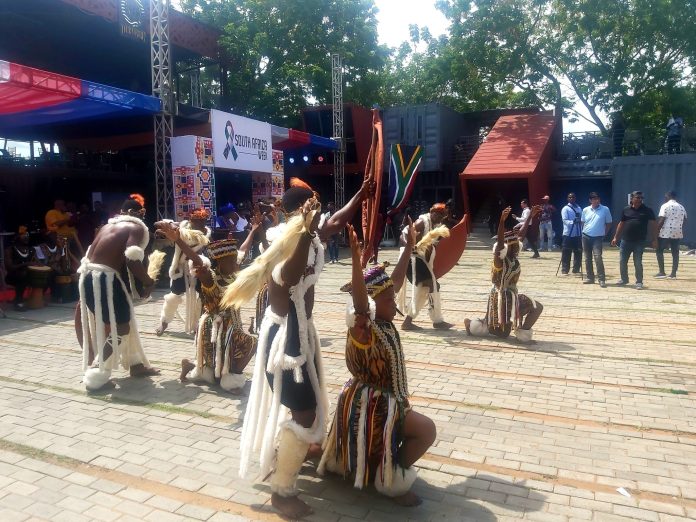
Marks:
<point>639,286</point>
<point>564,273</point>
<point>536,256</point>
<point>588,282</point>
<point>673,276</point>
<point>602,284</point>
<point>660,275</point>
<point>621,283</point>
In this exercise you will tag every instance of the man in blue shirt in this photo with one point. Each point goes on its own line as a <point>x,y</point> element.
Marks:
<point>572,232</point>
<point>596,222</point>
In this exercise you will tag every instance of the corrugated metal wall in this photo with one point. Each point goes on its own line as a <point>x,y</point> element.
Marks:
<point>655,175</point>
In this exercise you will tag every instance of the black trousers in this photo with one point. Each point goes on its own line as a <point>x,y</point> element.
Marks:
<point>673,244</point>
<point>571,246</point>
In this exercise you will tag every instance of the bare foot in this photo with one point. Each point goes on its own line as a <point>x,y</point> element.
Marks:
<point>290,507</point>
<point>467,325</point>
<point>186,367</point>
<point>139,370</point>
<point>314,451</point>
<point>408,499</point>
<point>408,324</point>
<point>442,325</point>
<point>161,328</point>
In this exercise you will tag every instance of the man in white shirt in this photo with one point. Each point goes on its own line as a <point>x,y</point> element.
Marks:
<point>670,225</point>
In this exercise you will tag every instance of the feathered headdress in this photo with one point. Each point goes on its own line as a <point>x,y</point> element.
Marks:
<point>297,194</point>
<point>138,198</point>
<point>200,213</point>
<point>440,208</point>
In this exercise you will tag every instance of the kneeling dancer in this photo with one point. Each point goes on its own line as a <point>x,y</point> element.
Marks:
<point>288,375</point>
<point>223,348</point>
<point>508,310</point>
<point>375,434</point>
<point>106,309</point>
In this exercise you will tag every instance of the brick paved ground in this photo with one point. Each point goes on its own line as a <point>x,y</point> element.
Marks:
<point>605,399</point>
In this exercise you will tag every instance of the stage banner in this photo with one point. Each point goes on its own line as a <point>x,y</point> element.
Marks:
<point>193,175</point>
<point>241,143</point>
<point>278,176</point>
<point>260,187</point>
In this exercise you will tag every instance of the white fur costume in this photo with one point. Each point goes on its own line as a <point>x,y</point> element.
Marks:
<point>197,240</point>
<point>266,423</point>
<point>127,349</point>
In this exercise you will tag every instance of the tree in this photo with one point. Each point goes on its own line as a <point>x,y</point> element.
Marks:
<point>601,53</point>
<point>280,52</point>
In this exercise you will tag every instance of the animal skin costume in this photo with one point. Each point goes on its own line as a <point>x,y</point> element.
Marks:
<point>105,298</point>
<point>506,306</point>
<point>183,284</point>
<point>288,375</point>
<point>367,430</point>
<point>223,348</point>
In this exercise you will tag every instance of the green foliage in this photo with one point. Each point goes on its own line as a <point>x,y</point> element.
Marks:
<point>279,53</point>
<point>603,53</point>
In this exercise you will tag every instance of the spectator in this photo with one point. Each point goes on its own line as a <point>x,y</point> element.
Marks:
<point>596,222</point>
<point>60,221</point>
<point>243,217</point>
<point>18,258</point>
<point>674,133</point>
<point>618,130</point>
<point>637,224</point>
<point>571,215</point>
<point>532,235</point>
<point>227,217</point>
<point>101,215</point>
<point>670,223</point>
<point>332,241</point>
<point>545,224</point>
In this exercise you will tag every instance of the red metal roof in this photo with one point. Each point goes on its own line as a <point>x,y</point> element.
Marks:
<point>513,148</point>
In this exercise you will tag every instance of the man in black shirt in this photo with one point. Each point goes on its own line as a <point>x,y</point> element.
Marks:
<point>636,226</point>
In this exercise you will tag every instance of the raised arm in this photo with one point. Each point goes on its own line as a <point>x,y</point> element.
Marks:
<point>343,216</point>
<point>359,331</point>
<point>201,271</point>
<point>255,228</point>
<point>399,273</point>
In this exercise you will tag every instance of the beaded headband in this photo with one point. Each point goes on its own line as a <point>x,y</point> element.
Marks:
<point>222,248</point>
<point>376,280</point>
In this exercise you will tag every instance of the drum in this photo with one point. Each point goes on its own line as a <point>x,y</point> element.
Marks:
<point>37,280</point>
<point>65,289</point>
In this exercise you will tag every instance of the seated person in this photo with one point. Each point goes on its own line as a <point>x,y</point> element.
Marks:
<point>60,221</point>
<point>18,258</point>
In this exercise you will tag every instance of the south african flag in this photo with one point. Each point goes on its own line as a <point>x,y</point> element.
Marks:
<point>403,169</point>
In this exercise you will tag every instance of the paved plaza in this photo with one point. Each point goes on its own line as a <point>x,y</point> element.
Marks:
<point>605,399</point>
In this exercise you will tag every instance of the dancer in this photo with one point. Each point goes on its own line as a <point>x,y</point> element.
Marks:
<point>508,310</point>
<point>106,309</point>
<point>424,285</point>
<point>375,434</point>
<point>196,235</point>
<point>288,374</point>
<point>223,348</point>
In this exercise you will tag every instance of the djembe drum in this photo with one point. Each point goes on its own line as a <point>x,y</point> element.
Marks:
<point>66,288</point>
<point>37,280</point>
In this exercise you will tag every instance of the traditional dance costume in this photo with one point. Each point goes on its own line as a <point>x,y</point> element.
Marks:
<point>506,306</point>
<point>183,284</point>
<point>105,299</point>
<point>421,276</point>
<point>288,375</point>
<point>368,427</point>
<point>223,348</point>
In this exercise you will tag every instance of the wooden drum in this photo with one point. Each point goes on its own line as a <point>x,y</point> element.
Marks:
<point>37,280</point>
<point>66,288</point>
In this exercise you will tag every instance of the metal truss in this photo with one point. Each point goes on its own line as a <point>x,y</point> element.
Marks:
<point>160,58</point>
<point>339,155</point>
<point>195,75</point>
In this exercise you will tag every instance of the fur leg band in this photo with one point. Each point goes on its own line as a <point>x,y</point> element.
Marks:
<point>134,253</point>
<point>232,381</point>
<point>203,374</point>
<point>524,336</point>
<point>292,452</point>
<point>170,306</point>
<point>95,378</point>
<point>402,480</point>
<point>478,327</point>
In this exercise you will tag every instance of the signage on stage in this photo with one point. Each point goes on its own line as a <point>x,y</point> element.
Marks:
<point>241,143</point>
<point>193,175</point>
<point>132,19</point>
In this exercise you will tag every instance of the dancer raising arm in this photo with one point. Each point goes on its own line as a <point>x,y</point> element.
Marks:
<point>376,436</point>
